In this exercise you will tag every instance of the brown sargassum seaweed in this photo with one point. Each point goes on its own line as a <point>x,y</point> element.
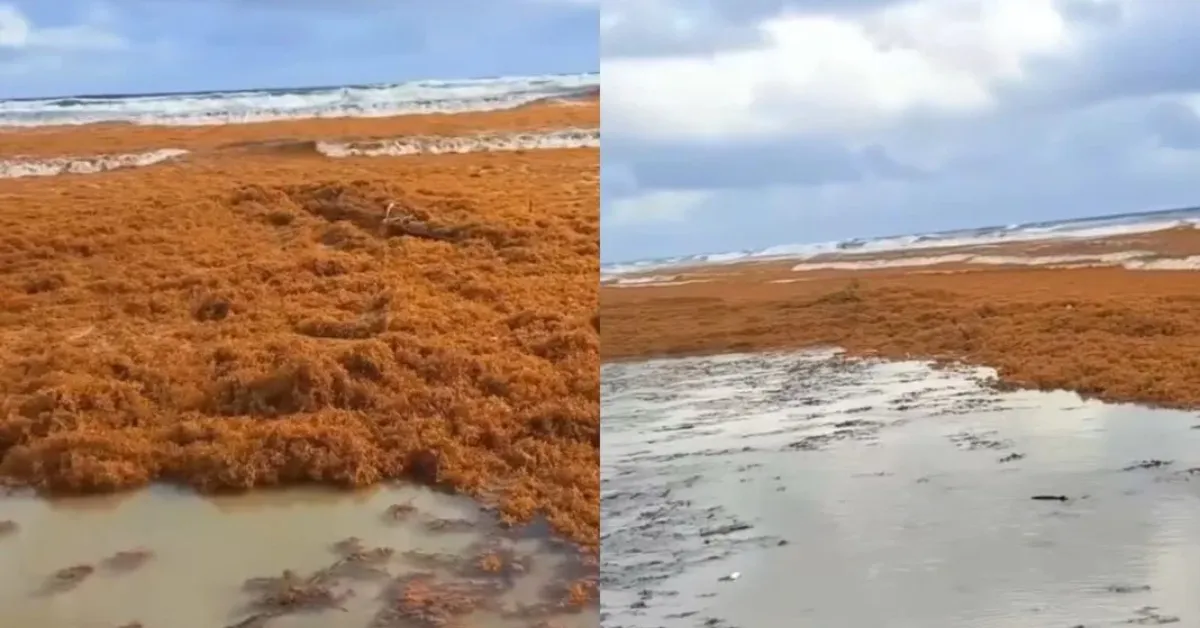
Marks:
<point>1109,333</point>
<point>239,321</point>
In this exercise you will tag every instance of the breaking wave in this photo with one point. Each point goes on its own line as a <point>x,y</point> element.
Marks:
<point>234,107</point>
<point>486,142</point>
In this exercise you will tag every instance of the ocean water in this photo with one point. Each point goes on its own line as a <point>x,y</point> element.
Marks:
<point>261,105</point>
<point>1077,228</point>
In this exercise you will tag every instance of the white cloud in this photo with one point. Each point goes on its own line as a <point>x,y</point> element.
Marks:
<point>828,73</point>
<point>14,29</point>
<point>40,49</point>
<point>741,124</point>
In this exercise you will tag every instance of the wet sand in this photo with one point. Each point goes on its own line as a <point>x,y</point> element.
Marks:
<point>167,558</point>
<point>244,319</point>
<point>51,141</point>
<point>1107,332</point>
<point>869,493</point>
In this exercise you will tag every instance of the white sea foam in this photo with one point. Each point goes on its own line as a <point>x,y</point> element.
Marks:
<point>18,167</point>
<point>1108,259</point>
<point>659,284</point>
<point>489,142</point>
<point>847,250</point>
<point>417,97</point>
<point>634,281</point>
<point>1131,260</point>
<point>1165,263</point>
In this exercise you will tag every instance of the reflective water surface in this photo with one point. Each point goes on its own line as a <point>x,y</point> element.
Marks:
<point>867,494</point>
<point>169,559</point>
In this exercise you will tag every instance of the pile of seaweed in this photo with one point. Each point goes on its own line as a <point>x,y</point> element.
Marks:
<point>236,323</point>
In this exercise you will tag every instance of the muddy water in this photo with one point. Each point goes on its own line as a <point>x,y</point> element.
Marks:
<point>191,557</point>
<point>861,494</point>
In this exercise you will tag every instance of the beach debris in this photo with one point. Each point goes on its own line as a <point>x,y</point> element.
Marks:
<point>1013,457</point>
<point>731,577</point>
<point>359,561</point>
<point>67,578</point>
<point>406,225</point>
<point>1127,588</point>
<point>1149,616</point>
<point>1050,498</point>
<point>1148,464</point>
<point>986,440</point>
<point>127,560</point>
<point>423,600</point>
<point>449,525</point>
<point>399,512</point>
<point>726,529</point>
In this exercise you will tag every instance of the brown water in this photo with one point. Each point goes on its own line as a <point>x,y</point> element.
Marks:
<point>861,494</point>
<point>203,550</point>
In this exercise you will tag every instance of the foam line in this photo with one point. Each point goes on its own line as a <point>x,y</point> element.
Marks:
<point>486,142</point>
<point>1109,259</point>
<point>17,168</point>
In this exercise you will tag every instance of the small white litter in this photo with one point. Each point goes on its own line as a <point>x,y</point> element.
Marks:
<point>731,577</point>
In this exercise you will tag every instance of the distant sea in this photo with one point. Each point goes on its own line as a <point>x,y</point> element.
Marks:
<point>1077,228</point>
<point>260,105</point>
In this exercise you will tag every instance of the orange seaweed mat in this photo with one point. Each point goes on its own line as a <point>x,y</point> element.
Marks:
<point>230,323</point>
<point>1110,333</point>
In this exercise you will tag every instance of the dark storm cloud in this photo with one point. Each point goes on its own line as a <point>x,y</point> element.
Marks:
<point>1135,50</point>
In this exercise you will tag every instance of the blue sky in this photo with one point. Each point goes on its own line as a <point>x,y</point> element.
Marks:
<point>57,47</point>
<point>735,124</point>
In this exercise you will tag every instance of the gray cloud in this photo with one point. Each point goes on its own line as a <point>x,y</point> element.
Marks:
<point>1131,50</point>
<point>1175,126</point>
<point>757,163</point>
<point>712,25</point>
<point>1112,126</point>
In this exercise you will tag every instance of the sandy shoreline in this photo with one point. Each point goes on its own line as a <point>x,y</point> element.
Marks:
<point>862,493</point>
<point>1116,334</point>
<point>240,319</point>
<point>52,141</point>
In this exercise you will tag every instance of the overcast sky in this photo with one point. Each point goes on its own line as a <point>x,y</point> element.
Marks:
<point>67,47</point>
<point>734,124</point>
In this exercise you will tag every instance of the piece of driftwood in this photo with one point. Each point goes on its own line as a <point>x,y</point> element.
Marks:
<point>409,226</point>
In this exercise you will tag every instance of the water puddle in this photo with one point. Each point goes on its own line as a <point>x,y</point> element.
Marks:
<point>786,490</point>
<point>393,557</point>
